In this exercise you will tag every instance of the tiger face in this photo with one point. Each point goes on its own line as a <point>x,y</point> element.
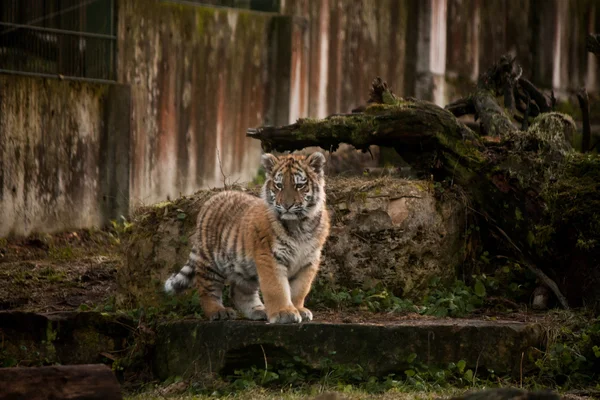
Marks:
<point>294,186</point>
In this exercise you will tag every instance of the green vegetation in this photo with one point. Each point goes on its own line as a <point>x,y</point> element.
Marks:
<point>572,357</point>
<point>291,394</point>
<point>417,377</point>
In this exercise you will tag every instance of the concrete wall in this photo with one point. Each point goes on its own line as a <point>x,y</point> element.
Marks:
<point>547,36</point>
<point>54,142</point>
<point>339,46</point>
<point>199,78</point>
<point>433,49</point>
<point>195,78</point>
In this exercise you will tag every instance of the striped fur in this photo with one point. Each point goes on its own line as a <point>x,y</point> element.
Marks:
<point>272,243</point>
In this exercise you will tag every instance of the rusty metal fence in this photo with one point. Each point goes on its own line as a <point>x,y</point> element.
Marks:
<point>69,38</point>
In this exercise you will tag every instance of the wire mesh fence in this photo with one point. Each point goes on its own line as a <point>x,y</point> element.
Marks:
<point>72,38</point>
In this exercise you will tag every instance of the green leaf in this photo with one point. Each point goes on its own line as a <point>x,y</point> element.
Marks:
<point>181,216</point>
<point>412,357</point>
<point>479,288</point>
<point>469,375</point>
<point>410,372</point>
<point>461,365</point>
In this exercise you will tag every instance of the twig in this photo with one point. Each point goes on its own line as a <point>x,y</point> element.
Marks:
<point>525,124</point>
<point>538,272</point>
<point>522,355</point>
<point>266,363</point>
<point>221,168</point>
<point>584,104</point>
<point>476,367</point>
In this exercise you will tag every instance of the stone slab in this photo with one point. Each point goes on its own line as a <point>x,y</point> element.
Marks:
<point>200,347</point>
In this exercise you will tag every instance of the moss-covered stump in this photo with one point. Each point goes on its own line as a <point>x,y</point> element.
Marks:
<point>31,339</point>
<point>385,231</point>
<point>198,348</point>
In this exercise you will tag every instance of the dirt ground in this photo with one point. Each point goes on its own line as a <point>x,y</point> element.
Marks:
<point>62,272</point>
<point>77,271</point>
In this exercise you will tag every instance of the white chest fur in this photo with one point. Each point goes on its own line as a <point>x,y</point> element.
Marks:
<point>298,253</point>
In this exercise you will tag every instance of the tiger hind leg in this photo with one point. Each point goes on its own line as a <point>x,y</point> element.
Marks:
<point>210,291</point>
<point>247,301</point>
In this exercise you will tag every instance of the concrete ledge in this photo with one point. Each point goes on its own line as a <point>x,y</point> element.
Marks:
<point>199,347</point>
<point>31,339</point>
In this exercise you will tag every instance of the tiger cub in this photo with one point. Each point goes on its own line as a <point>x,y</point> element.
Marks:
<point>273,243</point>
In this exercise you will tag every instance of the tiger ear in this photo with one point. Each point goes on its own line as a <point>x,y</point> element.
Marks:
<point>268,162</point>
<point>316,161</point>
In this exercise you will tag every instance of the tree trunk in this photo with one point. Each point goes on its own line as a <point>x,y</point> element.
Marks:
<point>72,382</point>
<point>529,186</point>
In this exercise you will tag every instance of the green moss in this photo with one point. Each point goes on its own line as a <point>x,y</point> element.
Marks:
<point>203,17</point>
<point>162,204</point>
<point>379,109</point>
<point>358,128</point>
<point>574,203</point>
<point>549,133</point>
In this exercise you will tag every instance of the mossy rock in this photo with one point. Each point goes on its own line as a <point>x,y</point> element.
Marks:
<point>387,231</point>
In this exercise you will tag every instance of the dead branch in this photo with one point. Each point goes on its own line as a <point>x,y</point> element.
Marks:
<point>461,107</point>
<point>584,104</point>
<point>592,43</point>
<point>545,279</point>
<point>543,102</point>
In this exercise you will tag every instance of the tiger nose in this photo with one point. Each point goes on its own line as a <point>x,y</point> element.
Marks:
<point>287,206</point>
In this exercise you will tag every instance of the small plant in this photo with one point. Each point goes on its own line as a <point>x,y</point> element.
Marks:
<point>61,253</point>
<point>52,275</point>
<point>456,301</point>
<point>376,299</point>
<point>120,228</point>
<point>572,358</point>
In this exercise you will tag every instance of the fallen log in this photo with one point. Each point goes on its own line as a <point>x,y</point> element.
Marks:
<point>530,188</point>
<point>72,382</point>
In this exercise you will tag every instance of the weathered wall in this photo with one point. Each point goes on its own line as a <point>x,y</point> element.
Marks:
<point>433,49</point>
<point>547,36</point>
<point>199,79</point>
<point>52,174</point>
<point>344,45</point>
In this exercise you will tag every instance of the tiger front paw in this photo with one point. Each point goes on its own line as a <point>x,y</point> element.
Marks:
<point>306,314</point>
<point>288,315</point>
